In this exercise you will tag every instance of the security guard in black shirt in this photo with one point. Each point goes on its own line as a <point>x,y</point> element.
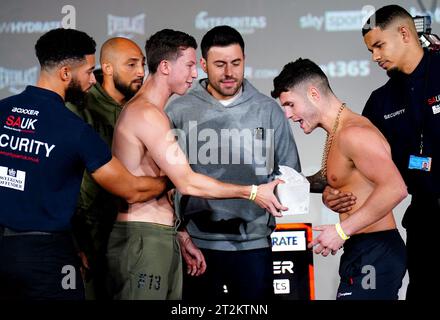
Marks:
<point>407,111</point>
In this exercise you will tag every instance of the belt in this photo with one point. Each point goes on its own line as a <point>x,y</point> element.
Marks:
<point>6,232</point>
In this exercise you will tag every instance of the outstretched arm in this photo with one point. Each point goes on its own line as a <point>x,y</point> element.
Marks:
<point>167,154</point>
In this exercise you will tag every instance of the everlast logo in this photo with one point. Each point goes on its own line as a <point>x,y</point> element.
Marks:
<point>15,80</point>
<point>125,26</point>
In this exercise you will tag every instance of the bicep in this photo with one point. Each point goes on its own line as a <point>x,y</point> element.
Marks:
<point>371,156</point>
<point>157,136</point>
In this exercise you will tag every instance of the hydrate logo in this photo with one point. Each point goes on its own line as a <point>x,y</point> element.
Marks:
<point>29,27</point>
<point>244,24</point>
<point>288,241</point>
<point>125,26</point>
<point>16,80</point>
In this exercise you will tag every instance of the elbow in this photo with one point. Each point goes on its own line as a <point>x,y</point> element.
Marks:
<point>404,192</point>
<point>184,190</point>
<point>131,199</point>
<point>401,192</point>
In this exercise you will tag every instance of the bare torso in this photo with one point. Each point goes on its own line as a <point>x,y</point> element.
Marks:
<point>343,175</point>
<point>135,155</point>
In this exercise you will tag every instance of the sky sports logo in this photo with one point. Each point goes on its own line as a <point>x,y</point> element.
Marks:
<point>336,21</point>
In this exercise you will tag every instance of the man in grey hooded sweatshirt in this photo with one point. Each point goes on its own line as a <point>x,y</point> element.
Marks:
<point>233,133</point>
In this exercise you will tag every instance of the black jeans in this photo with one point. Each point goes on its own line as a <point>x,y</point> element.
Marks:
<point>245,275</point>
<point>421,220</point>
<point>39,266</point>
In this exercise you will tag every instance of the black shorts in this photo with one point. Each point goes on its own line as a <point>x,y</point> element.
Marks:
<point>372,266</point>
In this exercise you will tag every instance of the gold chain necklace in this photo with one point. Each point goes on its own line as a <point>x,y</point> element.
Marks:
<point>328,143</point>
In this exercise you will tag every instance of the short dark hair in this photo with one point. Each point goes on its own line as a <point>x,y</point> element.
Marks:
<point>220,36</point>
<point>166,44</point>
<point>59,45</point>
<point>384,16</point>
<point>298,72</point>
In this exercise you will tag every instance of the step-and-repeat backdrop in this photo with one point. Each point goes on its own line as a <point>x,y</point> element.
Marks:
<point>275,32</point>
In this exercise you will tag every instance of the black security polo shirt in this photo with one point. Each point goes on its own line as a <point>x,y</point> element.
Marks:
<point>44,149</point>
<point>403,109</point>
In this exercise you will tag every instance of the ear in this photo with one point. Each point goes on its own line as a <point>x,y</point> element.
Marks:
<point>203,64</point>
<point>65,73</point>
<point>313,94</point>
<point>405,33</point>
<point>107,69</point>
<point>164,67</point>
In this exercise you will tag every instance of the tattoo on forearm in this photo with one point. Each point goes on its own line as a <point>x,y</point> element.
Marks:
<point>317,182</point>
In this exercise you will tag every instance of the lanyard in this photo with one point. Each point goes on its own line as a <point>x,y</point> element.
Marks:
<point>424,99</point>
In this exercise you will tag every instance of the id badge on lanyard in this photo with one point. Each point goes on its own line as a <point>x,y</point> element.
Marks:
<point>420,162</point>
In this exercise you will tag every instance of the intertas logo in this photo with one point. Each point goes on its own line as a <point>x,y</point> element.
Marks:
<point>15,80</point>
<point>244,24</point>
<point>126,26</point>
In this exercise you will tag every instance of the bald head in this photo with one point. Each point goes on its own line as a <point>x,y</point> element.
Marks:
<point>115,46</point>
<point>122,64</point>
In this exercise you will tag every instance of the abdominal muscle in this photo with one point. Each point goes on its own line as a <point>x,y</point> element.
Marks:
<point>156,210</point>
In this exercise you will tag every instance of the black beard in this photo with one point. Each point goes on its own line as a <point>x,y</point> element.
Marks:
<point>126,90</point>
<point>393,72</point>
<point>74,93</point>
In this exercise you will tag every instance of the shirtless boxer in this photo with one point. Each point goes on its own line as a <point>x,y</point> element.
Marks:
<point>356,158</point>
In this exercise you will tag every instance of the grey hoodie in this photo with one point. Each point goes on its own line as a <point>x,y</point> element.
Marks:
<point>242,143</point>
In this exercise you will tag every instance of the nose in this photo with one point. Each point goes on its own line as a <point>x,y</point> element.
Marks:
<point>194,73</point>
<point>140,72</point>
<point>288,112</point>
<point>228,70</point>
<point>375,55</point>
<point>92,79</point>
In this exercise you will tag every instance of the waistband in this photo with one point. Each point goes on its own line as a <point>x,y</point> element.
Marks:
<point>362,238</point>
<point>142,227</point>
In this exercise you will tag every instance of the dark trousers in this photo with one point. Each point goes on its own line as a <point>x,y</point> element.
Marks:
<point>39,266</point>
<point>421,220</point>
<point>232,276</point>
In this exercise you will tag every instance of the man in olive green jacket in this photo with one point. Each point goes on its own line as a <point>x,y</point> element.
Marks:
<point>122,64</point>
